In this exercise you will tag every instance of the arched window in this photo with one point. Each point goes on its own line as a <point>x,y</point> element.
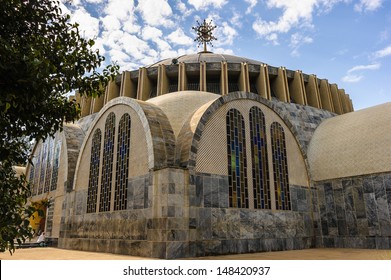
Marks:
<point>56,164</point>
<point>237,165</point>
<point>260,168</point>
<point>280,167</point>
<point>122,167</point>
<point>31,175</point>
<point>37,162</point>
<point>107,165</point>
<point>43,168</point>
<point>49,169</point>
<point>94,171</point>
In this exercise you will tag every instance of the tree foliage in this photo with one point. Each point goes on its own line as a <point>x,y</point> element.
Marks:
<point>43,57</point>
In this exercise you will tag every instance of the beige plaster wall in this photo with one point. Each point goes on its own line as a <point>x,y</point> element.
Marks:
<point>138,157</point>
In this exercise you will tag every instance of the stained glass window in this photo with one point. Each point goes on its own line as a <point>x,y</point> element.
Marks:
<point>237,165</point>
<point>94,171</point>
<point>260,168</point>
<point>37,161</point>
<point>107,165</point>
<point>43,168</point>
<point>31,175</point>
<point>280,167</point>
<point>56,164</point>
<point>48,176</point>
<point>122,167</point>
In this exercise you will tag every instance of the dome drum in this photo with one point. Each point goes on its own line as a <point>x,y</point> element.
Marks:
<point>222,74</point>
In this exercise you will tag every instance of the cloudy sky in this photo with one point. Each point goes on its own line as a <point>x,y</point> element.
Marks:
<point>347,42</point>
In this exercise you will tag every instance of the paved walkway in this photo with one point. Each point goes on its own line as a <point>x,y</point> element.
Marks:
<point>48,253</point>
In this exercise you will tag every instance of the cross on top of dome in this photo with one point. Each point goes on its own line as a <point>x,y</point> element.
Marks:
<point>204,33</point>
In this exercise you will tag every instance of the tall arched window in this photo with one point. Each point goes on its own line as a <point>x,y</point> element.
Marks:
<point>237,162</point>
<point>122,167</point>
<point>37,162</point>
<point>43,168</point>
<point>280,167</point>
<point>107,165</point>
<point>260,168</point>
<point>56,164</point>
<point>49,169</point>
<point>31,175</point>
<point>94,171</point>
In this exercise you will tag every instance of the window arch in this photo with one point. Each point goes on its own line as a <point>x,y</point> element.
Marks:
<point>107,165</point>
<point>280,167</point>
<point>122,166</point>
<point>94,171</point>
<point>260,168</point>
<point>237,161</point>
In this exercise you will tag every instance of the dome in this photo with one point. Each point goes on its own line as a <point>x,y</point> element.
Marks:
<point>352,144</point>
<point>206,57</point>
<point>178,106</point>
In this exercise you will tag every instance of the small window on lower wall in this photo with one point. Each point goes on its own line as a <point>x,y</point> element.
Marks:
<point>237,161</point>
<point>280,167</point>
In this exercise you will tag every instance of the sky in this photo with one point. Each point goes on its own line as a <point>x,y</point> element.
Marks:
<point>347,42</point>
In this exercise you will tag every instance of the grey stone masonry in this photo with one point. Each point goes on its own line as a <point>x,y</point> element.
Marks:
<point>356,212</point>
<point>217,229</point>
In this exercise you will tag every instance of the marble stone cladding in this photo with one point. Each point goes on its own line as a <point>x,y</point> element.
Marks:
<point>355,212</point>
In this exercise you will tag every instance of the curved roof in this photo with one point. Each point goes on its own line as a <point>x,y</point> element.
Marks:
<point>178,106</point>
<point>352,144</point>
<point>207,57</point>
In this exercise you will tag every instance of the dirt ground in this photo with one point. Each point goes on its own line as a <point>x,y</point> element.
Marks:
<point>49,253</point>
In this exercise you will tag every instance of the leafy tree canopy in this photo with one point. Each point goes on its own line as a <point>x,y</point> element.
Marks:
<point>42,58</point>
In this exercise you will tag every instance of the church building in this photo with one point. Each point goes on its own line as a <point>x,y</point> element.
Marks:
<point>210,154</point>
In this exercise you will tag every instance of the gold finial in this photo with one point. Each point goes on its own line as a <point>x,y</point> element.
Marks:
<point>204,33</point>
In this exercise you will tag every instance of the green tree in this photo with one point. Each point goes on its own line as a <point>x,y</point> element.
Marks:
<point>43,57</point>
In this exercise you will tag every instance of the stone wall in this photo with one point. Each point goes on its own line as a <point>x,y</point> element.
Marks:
<point>216,229</point>
<point>121,232</point>
<point>355,212</point>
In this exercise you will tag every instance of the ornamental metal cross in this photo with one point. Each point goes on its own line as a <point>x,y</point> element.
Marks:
<point>204,33</point>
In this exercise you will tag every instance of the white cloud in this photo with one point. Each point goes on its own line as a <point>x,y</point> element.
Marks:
<point>111,23</point>
<point>203,4</point>
<point>151,33</point>
<point>364,67</point>
<point>236,19</point>
<point>252,4</point>
<point>367,5</point>
<point>384,52</point>
<point>185,11</point>
<point>156,12</point>
<point>94,1</point>
<point>295,14</point>
<point>353,77</point>
<point>88,25</point>
<point>178,37</point>
<point>298,40</point>
<point>225,34</point>
<point>122,9</point>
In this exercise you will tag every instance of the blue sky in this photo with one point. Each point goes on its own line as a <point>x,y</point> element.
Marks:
<point>347,42</point>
